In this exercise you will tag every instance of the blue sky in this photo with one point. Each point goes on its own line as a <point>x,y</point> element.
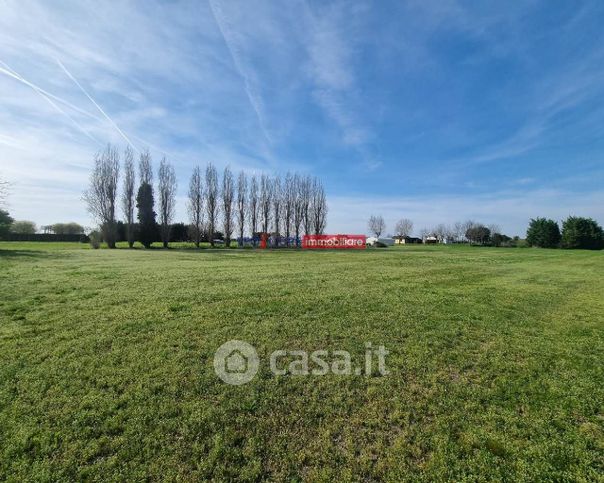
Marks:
<point>436,111</point>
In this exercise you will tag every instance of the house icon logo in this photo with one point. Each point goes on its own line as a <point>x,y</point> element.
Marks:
<point>236,362</point>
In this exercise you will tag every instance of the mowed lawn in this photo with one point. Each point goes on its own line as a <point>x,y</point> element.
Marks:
<point>496,361</point>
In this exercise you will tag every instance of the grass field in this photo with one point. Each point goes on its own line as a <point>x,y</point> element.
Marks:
<point>496,364</point>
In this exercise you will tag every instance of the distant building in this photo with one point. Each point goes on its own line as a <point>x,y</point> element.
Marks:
<point>430,240</point>
<point>406,240</point>
<point>372,240</point>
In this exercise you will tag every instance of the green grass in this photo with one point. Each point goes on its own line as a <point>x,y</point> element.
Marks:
<point>496,360</point>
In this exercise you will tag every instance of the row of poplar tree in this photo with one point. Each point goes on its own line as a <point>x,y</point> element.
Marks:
<point>283,208</point>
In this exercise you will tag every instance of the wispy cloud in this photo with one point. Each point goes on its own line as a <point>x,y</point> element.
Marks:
<point>234,45</point>
<point>330,67</point>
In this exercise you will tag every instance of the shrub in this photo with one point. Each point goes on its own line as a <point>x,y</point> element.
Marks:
<point>45,237</point>
<point>543,233</point>
<point>580,232</point>
<point>95,239</point>
<point>498,240</point>
<point>518,242</point>
<point>179,232</point>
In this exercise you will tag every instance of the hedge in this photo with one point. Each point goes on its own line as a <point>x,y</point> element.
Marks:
<point>45,237</point>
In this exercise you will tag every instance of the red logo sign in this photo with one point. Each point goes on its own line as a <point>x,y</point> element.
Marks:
<point>349,242</point>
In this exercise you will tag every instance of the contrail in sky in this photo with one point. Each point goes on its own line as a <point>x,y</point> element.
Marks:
<point>234,49</point>
<point>11,73</point>
<point>49,97</point>
<point>97,106</point>
<point>20,78</point>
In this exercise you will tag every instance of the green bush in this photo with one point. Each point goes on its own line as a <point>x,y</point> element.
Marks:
<point>580,232</point>
<point>95,239</point>
<point>543,233</point>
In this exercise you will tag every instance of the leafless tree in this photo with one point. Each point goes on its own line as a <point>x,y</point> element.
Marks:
<point>144,168</point>
<point>494,227</point>
<point>102,193</point>
<point>318,207</point>
<point>253,206</point>
<point>128,201</point>
<point>424,233</point>
<point>440,232</point>
<point>241,205</point>
<point>265,202</point>
<point>376,225</point>
<point>289,205</point>
<point>298,207</point>
<point>166,185</point>
<point>228,193</point>
<point>195,205</point>
<point>449,233</point>
<point>458,231</point>
<point>467,225</point>
<point>277,209</point>
<point>3,192</point>
<point>306,195</point>
<point>211,203</point>
<point>404,227</point>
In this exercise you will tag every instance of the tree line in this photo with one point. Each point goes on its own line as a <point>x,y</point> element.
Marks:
<point>217,203</point>
<point>460,232</point>
<point>576,232</point>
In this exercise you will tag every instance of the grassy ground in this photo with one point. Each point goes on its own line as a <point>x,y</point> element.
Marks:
<point>496,360</point>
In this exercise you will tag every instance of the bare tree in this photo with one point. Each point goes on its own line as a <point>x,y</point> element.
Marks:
<point>195,205</point>
<point>3,192</point>
<point>298,207</point>
<point>144,168</point>
<point>376,225</point>
<point>254,206</point>
<point>211,202</point>
<point>166,185</point>
<point>318,207</point>
<point>494,228</point>
<point>128,195</point>
<point>228,193</point>
<point>277,209</point>
<point>289,205</point>
<point>102,193</point>
<point>440,232</point>
<point>449,233</point>
<point>465,226</point>
<point>305,193</point>
<point>265,201</point>
<point>404,227</point>
<point>241,205</point>
<point>459,231</point>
